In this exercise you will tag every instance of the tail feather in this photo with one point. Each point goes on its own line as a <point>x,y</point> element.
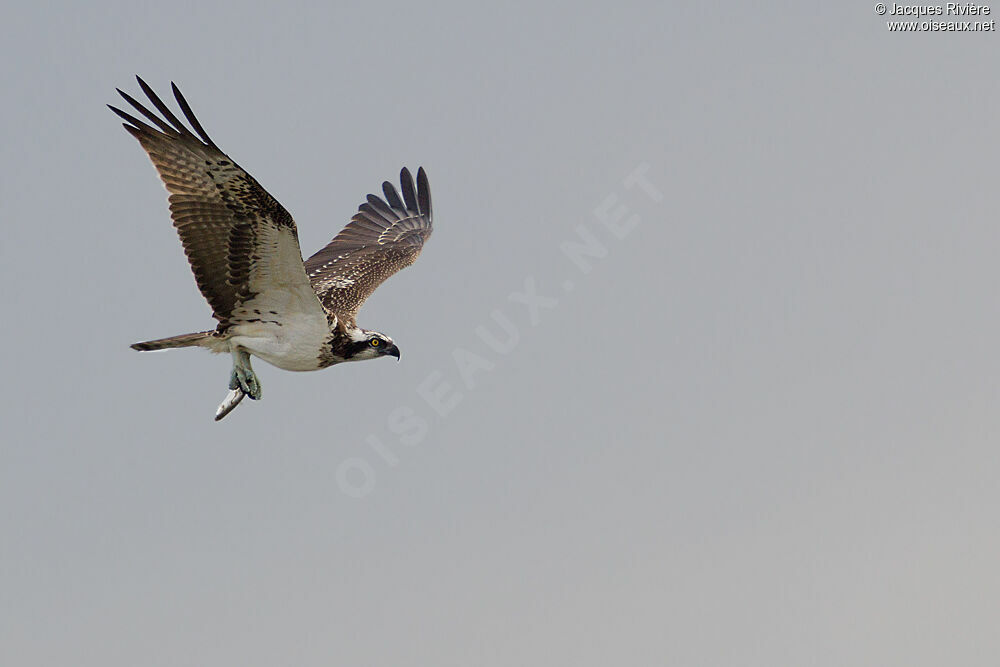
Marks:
<point>183,340</point>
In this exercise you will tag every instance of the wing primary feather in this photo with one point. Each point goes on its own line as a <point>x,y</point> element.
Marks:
<point>163,108</point>
<point>160,123</point>
<point>382,208</point>
<point>136,124</point>
<point>189,114</point>
<point>409,195</point>
<point>424,193</point>
<point>392,196</point>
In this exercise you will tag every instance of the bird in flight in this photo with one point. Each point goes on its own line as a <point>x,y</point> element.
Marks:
<point>243,248</point>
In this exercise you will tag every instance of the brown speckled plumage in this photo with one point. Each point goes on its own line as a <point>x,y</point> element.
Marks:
<point>383,237</point>
<point>244,252</point>
<point>219,210</point>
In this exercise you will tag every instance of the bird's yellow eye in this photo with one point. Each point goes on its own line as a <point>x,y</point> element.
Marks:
<point>375,342</point>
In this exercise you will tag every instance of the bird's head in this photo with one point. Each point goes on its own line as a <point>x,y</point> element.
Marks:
<point>370,345</point>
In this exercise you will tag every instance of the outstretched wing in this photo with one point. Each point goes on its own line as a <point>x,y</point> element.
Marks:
<point>242,244</point>
<point>384,236</point>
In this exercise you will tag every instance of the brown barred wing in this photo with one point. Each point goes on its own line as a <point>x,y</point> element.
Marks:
<point>384,236</point>
<point>239,240</point>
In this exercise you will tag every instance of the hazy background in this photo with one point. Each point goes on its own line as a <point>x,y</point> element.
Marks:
<point>763,430</point>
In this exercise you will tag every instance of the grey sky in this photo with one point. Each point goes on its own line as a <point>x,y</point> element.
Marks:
<point>762,430</point>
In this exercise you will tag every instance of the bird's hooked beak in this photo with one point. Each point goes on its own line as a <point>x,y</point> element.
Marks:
<point>392,351</point>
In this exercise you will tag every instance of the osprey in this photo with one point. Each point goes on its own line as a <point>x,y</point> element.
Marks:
<point>243,248</point>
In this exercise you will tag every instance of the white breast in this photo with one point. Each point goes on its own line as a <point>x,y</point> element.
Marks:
<point>275,328</point>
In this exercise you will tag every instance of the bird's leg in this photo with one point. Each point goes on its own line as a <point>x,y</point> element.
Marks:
<point>243,377</point>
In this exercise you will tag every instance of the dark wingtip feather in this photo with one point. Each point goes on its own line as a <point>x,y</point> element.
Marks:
<point>164,126</point>
<point>379,205</point>
<point>409,194</point>
<point>117,111</point>
<point>132,124</point>
<point>392,195</point>
<point>424,193</point>
<point>189,114</point>
<point>178,126</point>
